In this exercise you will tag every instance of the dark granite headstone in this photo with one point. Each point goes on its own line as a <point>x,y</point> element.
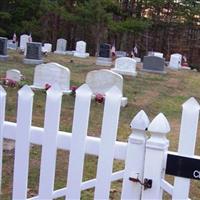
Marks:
<point>154,64</point>
<point>104,50</point>
<point>3,46</point>
<point>33,53</point>
<point>34,50</point>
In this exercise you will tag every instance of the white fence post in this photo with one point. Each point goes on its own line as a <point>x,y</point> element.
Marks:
<point>49,148</point>
<point>79,134</point>
<point>108,138</point>
<point>134,163</point>
<point>156,149</point>
<point>22,143</point>
<point>187,140</point>
<point>2,118</point>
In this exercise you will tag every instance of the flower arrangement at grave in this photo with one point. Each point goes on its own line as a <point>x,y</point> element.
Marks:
<point>99,98</point>
<point>47,86</point>
<point>73,90</point>
<point>9,82</point>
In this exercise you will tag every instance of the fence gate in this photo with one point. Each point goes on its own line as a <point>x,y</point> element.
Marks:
<point>147,159</point>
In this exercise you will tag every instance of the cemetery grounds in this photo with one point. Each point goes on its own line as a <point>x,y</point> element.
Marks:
<point>153,93</point>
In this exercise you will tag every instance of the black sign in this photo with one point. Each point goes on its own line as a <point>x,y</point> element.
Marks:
<point>183,166</point>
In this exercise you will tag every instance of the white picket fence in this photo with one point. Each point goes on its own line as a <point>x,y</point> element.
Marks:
<point>145,157</point>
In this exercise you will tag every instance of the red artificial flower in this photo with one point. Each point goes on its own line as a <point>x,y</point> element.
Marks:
<point>73,89</point>
<point>99,98</point>
<point>47,86</point>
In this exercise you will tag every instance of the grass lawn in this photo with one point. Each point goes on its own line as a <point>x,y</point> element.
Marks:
<point>154,93</point>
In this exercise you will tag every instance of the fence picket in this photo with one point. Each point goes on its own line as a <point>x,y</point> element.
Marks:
<point>21,163</point>
<point>108,137</point>
<point>2,118</point>
<point>134,163</point>
<point>156,150</point>
<point>187,140</point>
<point>78,142</point>
<point>49,149</point>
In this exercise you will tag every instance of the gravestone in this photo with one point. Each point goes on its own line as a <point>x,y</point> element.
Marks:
<point>47,48</point>
<point>175,61</point>
<point>61,46</point>
<point>158,54</point>
<point>104,55</point>
<point>24,39</point>
<point>12,45</point>
<point>138,60</point>
<point>33,53</point>
<point>120,54</point>
<point>154,64</point>
<point>81,50</point>
<point>51,73</point>
<point>3,48</point>
<point>100,81</point>
<point>14,75</point>
<point>125,66</point>
<point>153,53</point>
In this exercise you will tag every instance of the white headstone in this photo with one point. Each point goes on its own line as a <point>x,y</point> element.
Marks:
<point>125,66</point>
<point>47,48</point>
<point>14,75</point>
<point>81,47</point>
<point>120,54</point>
<point>158,54</point>
<point>24,39</point>
<point>61,46</point>
<point>175,61</point>
<point>81,50</point>
<point>12,45</point>
<point>52,73</point>
<point>100,81</point>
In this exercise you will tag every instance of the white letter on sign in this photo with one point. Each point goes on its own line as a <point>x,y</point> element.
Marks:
<point>196,174</point>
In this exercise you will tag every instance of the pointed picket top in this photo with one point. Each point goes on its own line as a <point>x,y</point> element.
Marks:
<point>191,104</point>
<point>114,91</point>
<point>2,91</point>
<point>54,91</point>
<point>84,89</point>
<point>140,121</point>
<point>159,124</point>
<point>26,92</point>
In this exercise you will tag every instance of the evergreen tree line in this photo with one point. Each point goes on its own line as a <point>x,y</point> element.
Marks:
<point>159,25</point>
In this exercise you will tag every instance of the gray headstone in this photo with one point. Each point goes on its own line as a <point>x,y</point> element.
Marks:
<point>3,46</point>
<point>104,50</point>
<point>33,53</point>
<point>3,49</point>
<point>154,64</point>
<point>34,50</point>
